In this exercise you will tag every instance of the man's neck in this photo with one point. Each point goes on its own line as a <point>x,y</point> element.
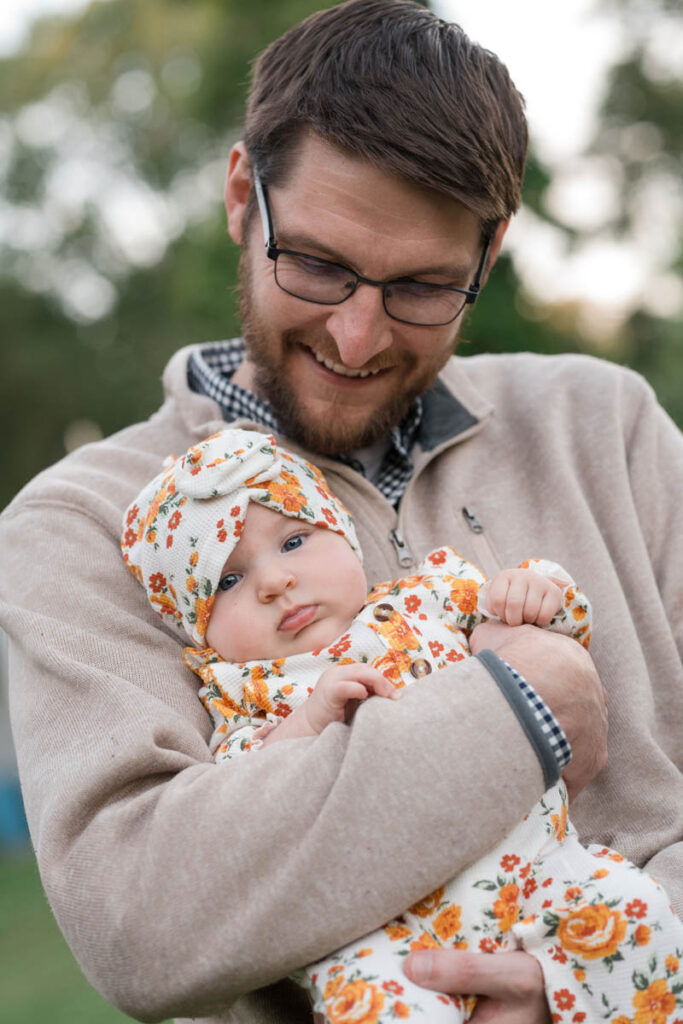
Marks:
<point>244,375</point>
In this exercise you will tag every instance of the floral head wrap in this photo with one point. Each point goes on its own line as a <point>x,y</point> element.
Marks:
<point>181,528</point>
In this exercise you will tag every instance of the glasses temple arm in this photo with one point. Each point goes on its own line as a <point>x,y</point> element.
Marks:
<point>264,210</point>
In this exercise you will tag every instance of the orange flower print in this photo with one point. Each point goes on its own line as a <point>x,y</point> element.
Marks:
<point>559,823</point>
<point>397,633</point>
<point>505,907</point>
<point>429,904</point>
<point>437,557</point>
<point>636,908</point>
<point>157,582</point>
<point>401,1010</point>
<point>341,645</point>
<point>412,603</point>
<point>287,494</point>
<point>194,558</point>
<point>530,886</point>
<point>357,1002</point>
<point>287,689</point>
<point>257,694</point>
<point>221,532</point>
<point>601,873</point>
<point>593,932</point>
<point>174,521</point>
<point>393,987</point>
<point>166,605</point>
<point>202,609</point>
<point>488,945</point>
<point>579,613</point>
<point>364,952</point>
<point>671,963</point>
<point>282,710</point>
<point>642,935</point>
<point>564,999</point>
<point>509,862</point>
<point>654,1005</point>
<point>129,538</point>
<point>409,582</point>
<point>397,931</point>
<point>392,665</point>
<point>169,540</point>
<point>621,1020</point>
<point>190,584</point>
<point>464,595</point>
<point>330,516</point>
<point>447,923</point>
<point>333,986</point>
<point>435,647</point>
<point>235,511</point>
<point>573,893</point>
<point>424,941</point>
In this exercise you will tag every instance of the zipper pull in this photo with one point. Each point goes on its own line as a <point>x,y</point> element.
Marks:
<point>471,520</point>
<point>403,552</point>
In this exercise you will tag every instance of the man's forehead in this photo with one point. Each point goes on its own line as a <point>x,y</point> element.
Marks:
<point>340,203</point>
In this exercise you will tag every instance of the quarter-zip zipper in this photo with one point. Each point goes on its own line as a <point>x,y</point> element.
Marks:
<point>488,558</point>
<point>403,553</point>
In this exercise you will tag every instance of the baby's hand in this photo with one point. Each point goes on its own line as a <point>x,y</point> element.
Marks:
<point>339,691</point>
<point>517,596</point>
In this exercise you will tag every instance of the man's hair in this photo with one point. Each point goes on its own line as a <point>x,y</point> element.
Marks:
<point>390,81</point>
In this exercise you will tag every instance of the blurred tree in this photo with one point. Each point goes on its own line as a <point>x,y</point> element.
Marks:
<point>637,153</point>
<point>113,248</point>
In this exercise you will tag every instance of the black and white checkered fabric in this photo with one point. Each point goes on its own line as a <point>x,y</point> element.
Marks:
<point>550,727</point>
<point>209,373</point>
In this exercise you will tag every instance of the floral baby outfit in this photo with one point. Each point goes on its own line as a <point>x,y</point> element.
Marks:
<point>603,931</point>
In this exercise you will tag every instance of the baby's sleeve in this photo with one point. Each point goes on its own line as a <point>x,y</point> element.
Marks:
<point>575,617</point>
<point>238,728</point>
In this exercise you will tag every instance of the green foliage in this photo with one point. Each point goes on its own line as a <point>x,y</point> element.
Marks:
<point>144,97</point>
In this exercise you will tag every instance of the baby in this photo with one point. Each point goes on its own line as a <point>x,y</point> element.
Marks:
<point>242,545</point>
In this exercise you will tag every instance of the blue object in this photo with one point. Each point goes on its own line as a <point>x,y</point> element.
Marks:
<point>13,828</point>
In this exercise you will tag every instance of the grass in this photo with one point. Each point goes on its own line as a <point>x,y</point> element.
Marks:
<point>39,978</point>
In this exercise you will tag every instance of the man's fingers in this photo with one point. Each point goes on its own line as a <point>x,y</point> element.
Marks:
<point>504,976</point>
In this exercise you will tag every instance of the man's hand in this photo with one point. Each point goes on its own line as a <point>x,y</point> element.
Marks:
<point>562,672</point>
<point>510,984</point>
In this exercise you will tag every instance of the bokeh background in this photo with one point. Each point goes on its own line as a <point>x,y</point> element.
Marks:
<point>116,118</point>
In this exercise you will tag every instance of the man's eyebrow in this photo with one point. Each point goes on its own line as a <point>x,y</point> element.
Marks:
<point>305,243</point>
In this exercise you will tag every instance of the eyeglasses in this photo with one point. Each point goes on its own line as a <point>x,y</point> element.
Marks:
<point>329,284</point>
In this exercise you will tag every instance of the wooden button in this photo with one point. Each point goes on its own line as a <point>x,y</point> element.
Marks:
<point>383,612</point>
<point>420,667</point>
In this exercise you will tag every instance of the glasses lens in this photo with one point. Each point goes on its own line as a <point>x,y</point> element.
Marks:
<point>416,302</point>
<point>315,280</point>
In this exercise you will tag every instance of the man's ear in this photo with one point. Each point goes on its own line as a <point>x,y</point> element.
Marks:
<point>237,189</point>
<point>494,249</point>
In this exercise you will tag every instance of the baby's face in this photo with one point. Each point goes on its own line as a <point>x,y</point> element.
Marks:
<point>286,588</point>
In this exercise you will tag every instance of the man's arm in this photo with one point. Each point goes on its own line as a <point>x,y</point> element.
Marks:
<point>151,855</point>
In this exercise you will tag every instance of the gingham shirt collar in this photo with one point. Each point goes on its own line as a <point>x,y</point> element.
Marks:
<point>209,373</point>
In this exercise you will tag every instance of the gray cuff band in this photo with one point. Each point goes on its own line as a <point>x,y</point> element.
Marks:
<point>525,714</point>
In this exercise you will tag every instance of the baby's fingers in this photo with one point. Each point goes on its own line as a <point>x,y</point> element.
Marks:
<point>376,683</point>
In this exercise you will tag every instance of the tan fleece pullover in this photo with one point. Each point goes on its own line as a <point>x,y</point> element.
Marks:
<point>182,885</point>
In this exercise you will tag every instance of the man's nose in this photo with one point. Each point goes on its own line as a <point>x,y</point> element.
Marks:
<point>273,580</point>
<point>360,326</point>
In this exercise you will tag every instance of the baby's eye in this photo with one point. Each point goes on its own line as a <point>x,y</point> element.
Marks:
<point>228,581</point>
<point>292,543</point>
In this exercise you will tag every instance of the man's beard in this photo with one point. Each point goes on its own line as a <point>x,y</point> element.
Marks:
<point>333,434</point>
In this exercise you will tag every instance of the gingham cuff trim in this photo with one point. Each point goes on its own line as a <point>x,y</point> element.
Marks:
<point>540,725</point>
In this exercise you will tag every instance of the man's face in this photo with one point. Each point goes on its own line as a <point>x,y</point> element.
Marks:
<point>339,377</point>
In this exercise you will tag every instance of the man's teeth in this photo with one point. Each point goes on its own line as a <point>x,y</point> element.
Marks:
<point>343,371</point>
